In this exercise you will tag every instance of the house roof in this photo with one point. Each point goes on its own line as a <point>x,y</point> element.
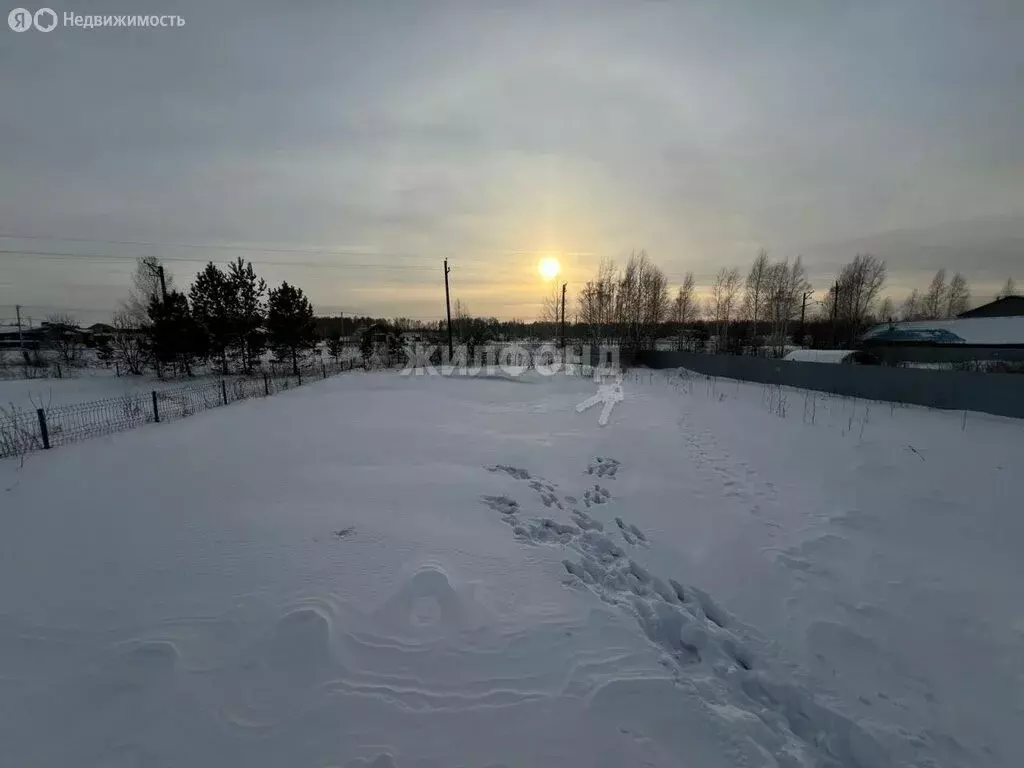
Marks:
<point>974,330</point>
<point>820,355</point>
<point>1007,306</point>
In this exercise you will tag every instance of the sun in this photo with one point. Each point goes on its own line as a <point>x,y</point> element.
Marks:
<point>549,268</point>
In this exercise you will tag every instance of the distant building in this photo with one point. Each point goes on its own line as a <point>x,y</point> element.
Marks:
<point>844,356</point>
<point>1008,306</point>
<point>964,339</point>
<point>11,338</point>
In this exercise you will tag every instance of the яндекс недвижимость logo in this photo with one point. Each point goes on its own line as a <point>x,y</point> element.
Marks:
<point>22,19</point>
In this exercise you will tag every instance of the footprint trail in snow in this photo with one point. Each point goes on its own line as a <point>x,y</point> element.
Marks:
<point>697,637</point>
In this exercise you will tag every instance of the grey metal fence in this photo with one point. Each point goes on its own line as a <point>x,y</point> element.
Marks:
<point>999,394</point>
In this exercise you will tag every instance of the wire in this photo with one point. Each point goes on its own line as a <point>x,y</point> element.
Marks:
<point>262,249</point>
<point>100,258</point>
<point>242,248</point>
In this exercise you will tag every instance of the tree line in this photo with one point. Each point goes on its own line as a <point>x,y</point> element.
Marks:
<point>227,315</point>
<point>771,306</point>
<point>633,305</point>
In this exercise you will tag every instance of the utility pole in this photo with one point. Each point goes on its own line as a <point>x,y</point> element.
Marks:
<point>803,314</point>
<point>21,340</point>
<point>163,296</point>
<point>563,319</point>
<point>448,308</point>
<point>835,310</point>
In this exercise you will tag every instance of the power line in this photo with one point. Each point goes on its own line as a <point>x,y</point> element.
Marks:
<point>242,248</point>
<point>109,257</point>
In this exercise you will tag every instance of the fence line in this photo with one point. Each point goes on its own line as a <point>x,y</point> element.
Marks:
<point>999,394</point>
<point>23,431</point>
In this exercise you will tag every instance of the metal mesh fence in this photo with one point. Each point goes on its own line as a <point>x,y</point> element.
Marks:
<point>23,430</point>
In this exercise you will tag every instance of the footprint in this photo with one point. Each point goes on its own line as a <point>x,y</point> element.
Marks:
<point>630,533</point>
<point>383,760</point>
<point>586,522</point>
<point>427,599</point>
<point>502,504</point>
<point>302,638</point>
<point>516,472</point>
<point>603,467</point>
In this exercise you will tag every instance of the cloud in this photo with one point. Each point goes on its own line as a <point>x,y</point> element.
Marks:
<point>699,131</point>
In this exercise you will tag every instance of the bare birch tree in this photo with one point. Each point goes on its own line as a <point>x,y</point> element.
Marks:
<point>911,309</point>
<point>723,301</point>
<point>145,286</point>
<point>641,301</point>
<point>129,343</point>
<point>886,310</point>
<point>597,302</point>
<point>754,290</point>
<point>684,307</point>
<point>551,308</point>
<point>933,302</point>
<point>785,284</point>
<point>860,281</point>
<point>958,295</point>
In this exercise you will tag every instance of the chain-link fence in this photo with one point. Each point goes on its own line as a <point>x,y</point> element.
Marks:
<point>23,431</point>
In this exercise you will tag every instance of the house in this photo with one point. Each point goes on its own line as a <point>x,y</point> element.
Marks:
<point>13,338</point>
<point>962,339</point>
<point>1007,306</point>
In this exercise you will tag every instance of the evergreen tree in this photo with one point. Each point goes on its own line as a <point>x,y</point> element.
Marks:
<point>366,345</point>
<point>290,323</point>
<point>174,334</point>
<point>104,352</point>
<point>213,307</point>
<point>394,348</point>
<point>334,345</point>
<point>249,311</point>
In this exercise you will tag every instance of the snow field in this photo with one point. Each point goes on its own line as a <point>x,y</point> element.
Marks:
<point>416,571</point>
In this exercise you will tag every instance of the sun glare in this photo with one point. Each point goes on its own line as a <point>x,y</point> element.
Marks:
<point>548,268</point>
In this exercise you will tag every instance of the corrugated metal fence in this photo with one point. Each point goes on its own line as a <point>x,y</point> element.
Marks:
<point>999,394</point>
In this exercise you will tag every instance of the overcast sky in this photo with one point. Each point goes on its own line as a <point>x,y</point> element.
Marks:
<point>394,134</point>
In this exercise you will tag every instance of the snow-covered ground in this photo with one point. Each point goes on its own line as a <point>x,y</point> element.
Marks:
<point>81,386</point>
<point>96,382</point>
<point>416,571</point>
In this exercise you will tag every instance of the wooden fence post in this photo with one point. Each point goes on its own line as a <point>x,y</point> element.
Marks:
<point>156,409</point>
<point>224,391</point>
<point>43,431</point>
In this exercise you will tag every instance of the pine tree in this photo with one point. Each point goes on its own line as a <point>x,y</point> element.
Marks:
<point>366,345</point>
<point>249,311</point>
<point>395,347</point>
<point>334,345</point>
<point>174,334</point>
<point>290,323</point>
<point>213,307</point>
<point>104,352</point>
